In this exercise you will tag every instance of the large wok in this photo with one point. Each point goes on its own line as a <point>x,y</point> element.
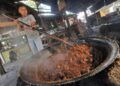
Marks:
<point>105,52</point>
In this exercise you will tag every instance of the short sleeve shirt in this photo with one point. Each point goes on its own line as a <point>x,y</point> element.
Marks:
<point>28,20</point>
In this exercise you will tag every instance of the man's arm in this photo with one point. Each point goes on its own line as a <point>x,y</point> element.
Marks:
<point>7,24</point>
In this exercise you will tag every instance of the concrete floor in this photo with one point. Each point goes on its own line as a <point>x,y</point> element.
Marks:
<point>12,69</point>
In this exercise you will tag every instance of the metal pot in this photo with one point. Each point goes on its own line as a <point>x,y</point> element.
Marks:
<point>107,51</point>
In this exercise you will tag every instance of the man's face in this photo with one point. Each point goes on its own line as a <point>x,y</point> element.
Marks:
<point>23,11</point>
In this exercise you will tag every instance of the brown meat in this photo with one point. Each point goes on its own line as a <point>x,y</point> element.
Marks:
<point>76,62</point>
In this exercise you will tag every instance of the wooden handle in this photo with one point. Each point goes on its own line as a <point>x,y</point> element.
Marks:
<point>54,37</point>
<point>57,38</point>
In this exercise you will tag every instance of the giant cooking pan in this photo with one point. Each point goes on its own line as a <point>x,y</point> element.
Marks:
<point>104,50</point>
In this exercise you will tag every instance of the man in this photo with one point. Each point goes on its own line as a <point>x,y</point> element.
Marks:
<point>82,28</point>
<point>75,28</point>
<point>79,28</point>
<point>33,36</point>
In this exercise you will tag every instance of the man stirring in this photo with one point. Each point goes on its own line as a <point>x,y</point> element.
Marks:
<point>33,36</point>
<point>34,40</point>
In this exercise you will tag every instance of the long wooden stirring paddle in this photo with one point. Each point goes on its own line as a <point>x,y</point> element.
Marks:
<point>51,36</point>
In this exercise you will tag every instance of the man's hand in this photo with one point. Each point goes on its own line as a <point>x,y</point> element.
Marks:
<point>19,25</point>
<point>15,22</point>
<point>33,24</point>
